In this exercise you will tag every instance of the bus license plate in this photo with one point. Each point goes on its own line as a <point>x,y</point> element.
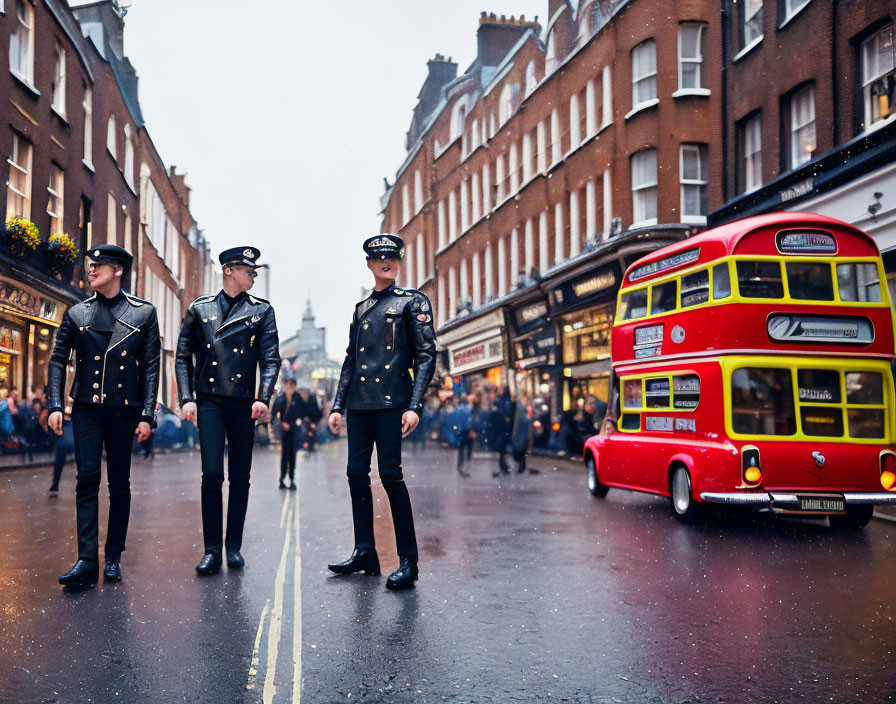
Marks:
<point>827,504</point>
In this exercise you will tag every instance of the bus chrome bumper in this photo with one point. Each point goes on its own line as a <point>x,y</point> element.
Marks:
<point>783,501</point>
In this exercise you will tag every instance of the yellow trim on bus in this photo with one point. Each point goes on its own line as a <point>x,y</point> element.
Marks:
<point>730,364</point>
<point>734,295</point>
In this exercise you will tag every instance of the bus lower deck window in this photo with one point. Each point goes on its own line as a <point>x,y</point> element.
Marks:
<point>822,422</point>
<point>760,279</point>
<point>858,282</point>
<point>762,401</point>
<point>865,422</point>
<point>630,421</point>
<point>810,281</point>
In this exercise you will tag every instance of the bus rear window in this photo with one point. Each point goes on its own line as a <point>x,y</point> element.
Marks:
<point>762,401</point>
<point>864,388</point>
<point>822,422</point>
<point>818,385</point>
<point>760,279</point>
<point>810,281</point>
<point>858,282</point>
<point>634,305</point>
<point>865,422</point>
<point>662,298</point>
<point>695,288</point>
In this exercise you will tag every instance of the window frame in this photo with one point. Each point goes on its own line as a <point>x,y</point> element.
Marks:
<point>87,106</point>
<point>751,160</point>
<point>790,9</point>
<point>637,211</point>
<point>702,154</point>
<point>26,170</point>
<point>56,193</point>
<point>698,61</point>
<point>58,97</point>
<point>644,409</point>
<point>28,23</point>
<point>794,154</point>
<point>637,80</point>
<point>745,24</point>
<point>867,82</point>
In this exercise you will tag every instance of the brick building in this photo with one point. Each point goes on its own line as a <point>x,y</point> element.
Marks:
<point>81,162</point>
<point>564,152</point>
<point>820,136</point>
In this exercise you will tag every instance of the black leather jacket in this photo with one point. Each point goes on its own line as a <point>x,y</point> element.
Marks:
<point>124,373</point>
<point>228,352</point>
<point>389,338</point>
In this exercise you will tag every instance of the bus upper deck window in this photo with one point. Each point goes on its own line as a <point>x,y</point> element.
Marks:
<point>858,282</point>
<point>760,279</point>
<point>762,401</point>
<point>634,304</point>
<point>695,288</point>
<point>631,394</point>
<point>721,281</point>
<point>810,281</point>
<point>663,297</point>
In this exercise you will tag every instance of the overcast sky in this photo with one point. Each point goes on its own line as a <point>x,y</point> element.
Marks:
<point>286,116</point>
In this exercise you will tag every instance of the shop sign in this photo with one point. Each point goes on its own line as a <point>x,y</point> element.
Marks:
<point>594,284</point>
<point>798,190</point>
<point>818,328</point>
<point>676,260</point>
<point>537,350</point>
<point>806,243</point>
<point>531,317</point>
<point>590,286</point>
<point>28,302</point>
<point>485,353</point>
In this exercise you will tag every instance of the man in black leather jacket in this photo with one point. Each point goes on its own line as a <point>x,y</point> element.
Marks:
<point>115,340</point>
<point>391,337</point>
<point>223,340</point>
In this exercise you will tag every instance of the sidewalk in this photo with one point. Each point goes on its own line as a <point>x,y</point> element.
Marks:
<point>20,461</point>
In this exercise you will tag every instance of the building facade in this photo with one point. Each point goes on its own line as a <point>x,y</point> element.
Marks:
<point>533,179</point>
<point>821,136</point>
<point>81,163</point>
<point>305,356</point>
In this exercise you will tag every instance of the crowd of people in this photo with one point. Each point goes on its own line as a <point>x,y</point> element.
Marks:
<point>23,421</point>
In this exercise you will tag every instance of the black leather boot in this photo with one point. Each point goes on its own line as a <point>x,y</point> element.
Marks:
<point>235,561</point>
<point>209,564</point>
<point>82,574</point>
<point>362,560</point>
<point>405,576</point>
<point>112,572</point>
<point>282,484</point>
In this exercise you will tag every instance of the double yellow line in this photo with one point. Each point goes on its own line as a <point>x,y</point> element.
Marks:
<point>273,615</point>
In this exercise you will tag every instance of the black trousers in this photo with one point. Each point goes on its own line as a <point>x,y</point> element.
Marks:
<point>288,447</point>
<point>464,449</point>
<point>222,418</point>
<point>96,426</point>
<point>383,429</point>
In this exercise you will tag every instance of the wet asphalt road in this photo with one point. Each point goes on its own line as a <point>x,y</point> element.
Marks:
<point>530,591</point>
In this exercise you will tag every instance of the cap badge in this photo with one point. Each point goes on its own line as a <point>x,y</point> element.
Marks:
<point>96,252</point>
<point>247,253</point>
<point>383,242</point>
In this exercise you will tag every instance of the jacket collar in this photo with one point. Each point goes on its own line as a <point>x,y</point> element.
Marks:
<point>243,307</point>
<point>125,321</point>
<point>368,304</point>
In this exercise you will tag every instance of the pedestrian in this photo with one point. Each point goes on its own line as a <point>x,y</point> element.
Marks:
<point>287,410</point>
<point>462,419</point>
<point>224,338</point>
<point>390,338</point>
<point>522,428</point>
<point>65,445</point>
<point>311,415</point>
<point>116,345</point>
<point>503,423</point>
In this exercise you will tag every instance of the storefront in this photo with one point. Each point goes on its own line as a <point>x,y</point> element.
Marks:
<point>583,307</point>
<point>535,367</point>
<point>28,322</point>
<point>477,352</point>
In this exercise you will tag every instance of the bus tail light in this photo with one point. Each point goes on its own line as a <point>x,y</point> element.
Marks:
<point>751,469</point>
<point>888,470</point>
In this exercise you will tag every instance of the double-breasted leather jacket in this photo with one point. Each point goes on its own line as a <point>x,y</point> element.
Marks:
<point>221,357</point>
<point>391,353</point>
<point>117,370</point>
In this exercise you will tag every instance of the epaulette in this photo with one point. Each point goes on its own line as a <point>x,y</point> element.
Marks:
<point>135,300</point>
<point>256,300</point>
<point>204,299</point>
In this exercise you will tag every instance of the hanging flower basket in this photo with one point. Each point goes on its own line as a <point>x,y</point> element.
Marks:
<point>61,252</point>
<point>22,237</point>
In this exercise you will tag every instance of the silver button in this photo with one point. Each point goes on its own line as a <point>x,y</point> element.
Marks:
<point>97,358</point>
<point>120,385</point>
<point>388,347</point>
<point>387,366</point>
<point>388,398</point>
<point>362,378</point>
<point>96,385</point>
<point>121,367</point>
<point>211,380</point>
<point>209,345</point>
<point>377,380</point>
<point>97,371</point>
<point>95,397</point>
<point>234,350</point>
<point>361,349</point>
<point>214,364</point>
<point>363,366</point>
<point>239,376</point>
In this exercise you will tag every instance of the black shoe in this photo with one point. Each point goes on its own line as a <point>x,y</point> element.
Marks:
<point>235,561</point>
<point>282,484</point>
<point>54,491</point>
<point>533,471</point>
<point>112,572</point>
<point>209,564</point>
<point>292,485</point>
<point>362,560</point>
<point>82,574</point>
<point>405,576</point>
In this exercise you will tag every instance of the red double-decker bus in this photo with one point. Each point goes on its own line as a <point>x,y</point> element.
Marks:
<point>753,365</point>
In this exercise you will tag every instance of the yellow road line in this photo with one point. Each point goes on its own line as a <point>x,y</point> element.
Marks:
<point>283,512</point>
<point>297,612</point>
<point>253,666</point>
<point>276,621</point>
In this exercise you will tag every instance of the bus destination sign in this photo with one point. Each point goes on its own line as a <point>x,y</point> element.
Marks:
<point>806,243</point>
<point>817,328</point>
<point>676,260</point>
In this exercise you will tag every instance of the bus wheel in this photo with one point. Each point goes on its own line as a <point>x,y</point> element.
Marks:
<point>855,518</point>
<point>594,486</point>
<point>684,508</point>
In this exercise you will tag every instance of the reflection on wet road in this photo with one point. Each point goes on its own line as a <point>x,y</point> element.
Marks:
<point>530,590</point>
